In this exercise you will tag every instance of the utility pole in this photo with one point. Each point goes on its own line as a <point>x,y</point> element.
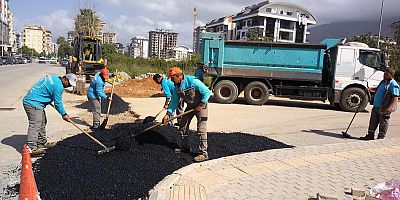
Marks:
<point>380,23</point>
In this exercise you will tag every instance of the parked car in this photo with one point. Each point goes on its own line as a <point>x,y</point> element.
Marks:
<point>53,61</point>
<point>44,60</point>
<point>64,62</point>
<point>22,60</point>
<point>8,60</point>
<point>34,59</point>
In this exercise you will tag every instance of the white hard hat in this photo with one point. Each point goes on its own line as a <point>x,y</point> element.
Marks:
<point>72,79</point>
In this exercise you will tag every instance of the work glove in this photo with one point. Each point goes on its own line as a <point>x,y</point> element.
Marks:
<point>165,119</point>
<point>66,118</point>
<point>110,98</point>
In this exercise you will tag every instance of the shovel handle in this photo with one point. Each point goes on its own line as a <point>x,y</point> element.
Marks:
<point>86,133</point>
<point>160,123</point>
<point>112,92</point>
<point>159,113</point>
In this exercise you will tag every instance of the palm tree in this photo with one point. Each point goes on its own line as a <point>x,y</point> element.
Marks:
<point>87,23</point>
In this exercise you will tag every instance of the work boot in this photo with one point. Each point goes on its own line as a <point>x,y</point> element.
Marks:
<point>36,151</point>
<point>380,136</point>
<point>47,145</point>
<point>367,137</point>
<point>201,157</point>
<point>95,126</point>
<point>182,150</point>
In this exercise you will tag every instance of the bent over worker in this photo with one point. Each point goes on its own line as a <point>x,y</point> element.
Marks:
<point>195,94</point>
<point>167,86</point>
<point>47,90</point>
<point>96,92</point>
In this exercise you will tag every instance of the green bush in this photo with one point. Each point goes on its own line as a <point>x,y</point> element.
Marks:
<point>137,66</point>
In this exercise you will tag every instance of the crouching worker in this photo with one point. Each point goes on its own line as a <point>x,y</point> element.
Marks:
<point>96,92</point>
<point>167,86</point>
<point>195,94</point>
<point>47,90</point>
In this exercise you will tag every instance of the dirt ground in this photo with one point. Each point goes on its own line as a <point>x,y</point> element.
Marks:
<point>137,88</point>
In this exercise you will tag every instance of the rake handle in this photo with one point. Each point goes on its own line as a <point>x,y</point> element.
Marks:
<point>159,113</point>
<point>86,133</point>
<point>160,123</point>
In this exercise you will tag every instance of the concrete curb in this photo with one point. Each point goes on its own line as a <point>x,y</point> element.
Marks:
<point>162,189</point>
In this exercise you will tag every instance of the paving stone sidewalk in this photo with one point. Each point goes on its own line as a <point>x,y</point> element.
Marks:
<point>293,173</point>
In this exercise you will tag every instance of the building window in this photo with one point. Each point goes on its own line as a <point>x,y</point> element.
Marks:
<point>269,10</point>
<point>289,13</point>
<point>285,36</point>
<point>287,24</point>
<point>281,12</point>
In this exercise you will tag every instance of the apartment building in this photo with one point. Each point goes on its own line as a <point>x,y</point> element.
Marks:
<point>277,21</point>
<point>162,43</point>
<point>197,38</point>
<point>110,38</point>
<point>139,47</point>
<point>38,38</point>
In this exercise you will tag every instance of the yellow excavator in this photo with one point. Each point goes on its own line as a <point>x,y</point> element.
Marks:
<point>86,57</point>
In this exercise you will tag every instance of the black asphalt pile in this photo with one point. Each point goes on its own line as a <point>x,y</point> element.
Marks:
<point>71,170</point>
<point>118,105</point>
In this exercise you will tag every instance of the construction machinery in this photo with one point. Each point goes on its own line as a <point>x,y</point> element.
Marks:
<point>86,59</point>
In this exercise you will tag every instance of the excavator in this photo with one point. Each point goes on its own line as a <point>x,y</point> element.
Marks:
<point>86,59</point>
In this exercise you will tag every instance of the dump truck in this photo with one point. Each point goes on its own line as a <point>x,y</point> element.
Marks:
<point>86,57</point>
<point>345,74</point>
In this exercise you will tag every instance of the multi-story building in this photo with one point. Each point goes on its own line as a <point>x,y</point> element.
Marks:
<point>54,48</point>
<point>182,53</point>
<point>71,35</point>
<point>18,40</point>
<point>139,47</point>
<point>38,38</point>
<point>197,38</point>
<point>396,32</point>
<point>110,38</point>
<point>11,36</point>
<point>4,27</point>
<point>120,48</point>
<point>33,37</point>
<point>47,41</point>
<point>162,43</point>
<point>278,22</point>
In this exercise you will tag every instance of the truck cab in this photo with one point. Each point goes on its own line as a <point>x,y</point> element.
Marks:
<point>358,71</point>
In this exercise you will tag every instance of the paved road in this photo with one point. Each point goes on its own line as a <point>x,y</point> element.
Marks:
<point>17,79</point>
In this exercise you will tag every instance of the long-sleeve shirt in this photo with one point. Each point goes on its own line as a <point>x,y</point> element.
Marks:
<point>168,87</point>
<point>96,88</point>
<point>192,91</point>
<point>47,90</point>
<point>198,72</point>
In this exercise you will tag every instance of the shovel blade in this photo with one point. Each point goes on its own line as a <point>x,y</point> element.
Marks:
<point>104,124</point>
<point>149,119</point>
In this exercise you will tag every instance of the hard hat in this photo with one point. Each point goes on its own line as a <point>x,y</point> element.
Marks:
<point>173,71</point>
<point>105,73</point>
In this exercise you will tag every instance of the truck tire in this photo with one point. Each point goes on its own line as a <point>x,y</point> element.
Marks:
<point>256,93</point>
<point>226,92</point>
<point>351,98</point>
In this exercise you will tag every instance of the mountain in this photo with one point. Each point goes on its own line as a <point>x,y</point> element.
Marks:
<point>349,29</point>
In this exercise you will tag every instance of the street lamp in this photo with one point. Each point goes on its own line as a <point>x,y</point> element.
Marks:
<point>380,24</point>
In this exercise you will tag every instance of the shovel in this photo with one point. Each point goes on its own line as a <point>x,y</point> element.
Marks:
<point>104,124</point>
<point>150,119</point>
<point>105,150</point>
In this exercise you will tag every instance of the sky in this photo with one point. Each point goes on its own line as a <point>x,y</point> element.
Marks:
<point>129,18</point>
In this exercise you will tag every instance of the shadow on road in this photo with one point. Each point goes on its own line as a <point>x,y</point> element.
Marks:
<point>69,170</point>
<point>79,121</point>
<point>118,105</point>
<point>15,141</point>
<point>324,133</point>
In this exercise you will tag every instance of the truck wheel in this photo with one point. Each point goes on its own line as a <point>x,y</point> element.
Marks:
<point>352,98</point>
<point>256,93</point>
<point>226,91</point>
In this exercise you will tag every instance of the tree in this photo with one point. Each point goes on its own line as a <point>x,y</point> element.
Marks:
<point>28,51</point>
<point>64,48</point>
<point>87,23</point>
<point>256,35</point>
<point>108,49</point>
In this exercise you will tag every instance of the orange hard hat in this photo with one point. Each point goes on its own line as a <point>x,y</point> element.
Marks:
<point>105,73</point>
<point>173,71</point>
